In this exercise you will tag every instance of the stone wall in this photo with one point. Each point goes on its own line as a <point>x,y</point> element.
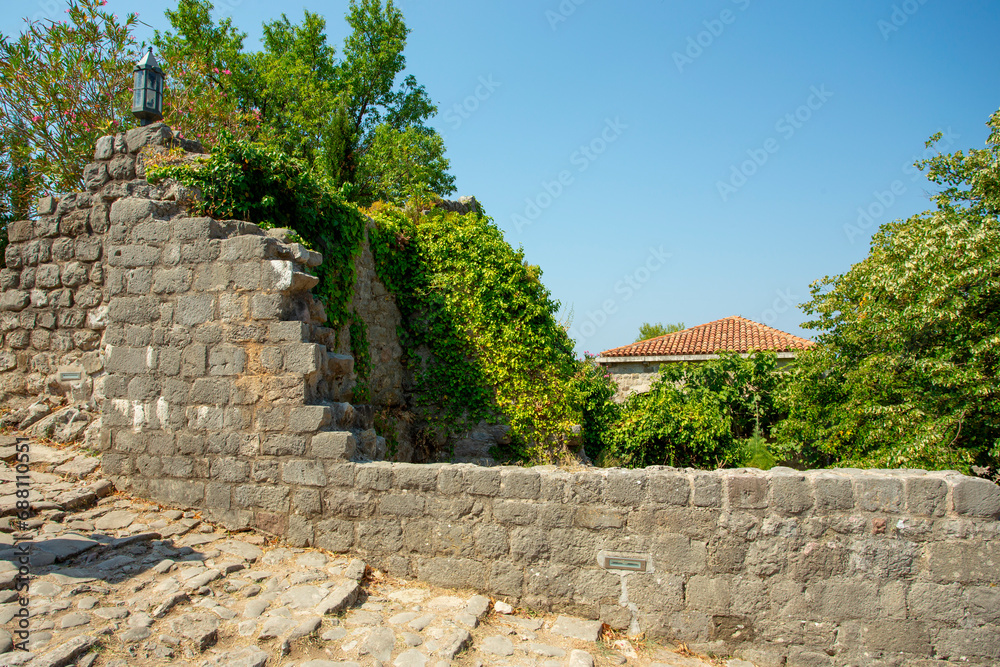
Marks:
<point>830,567</point>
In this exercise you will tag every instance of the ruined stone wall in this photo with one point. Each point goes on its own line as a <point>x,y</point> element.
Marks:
<point>829,567</point>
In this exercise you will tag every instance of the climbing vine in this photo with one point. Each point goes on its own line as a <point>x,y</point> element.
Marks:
<point>479,328</point>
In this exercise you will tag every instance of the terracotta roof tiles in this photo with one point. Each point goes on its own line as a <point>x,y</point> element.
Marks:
<point>730,333</point>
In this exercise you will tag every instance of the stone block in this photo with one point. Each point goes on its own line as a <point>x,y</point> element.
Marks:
<point>271,418</point>
<point>133,256</point>
<point>962,644</point>
<point>309,418</point>
<point>213,277</point>
<point>226,360</point>
<point>791,493</point>
<point>706,490</point>
<point>401,504</point>
<point>515,513</point>
<point>334,445</point>
<point>335,535</point>
<point>20,231</point>
<point>939,603</point>
<point>519,483</point>
<point>746,491</point>
<point>243,248</point>
<point>95,175</point>
<point>976,497</point>
<point>126,360</point>
<point>305,358</point>
<point>47,276</point>
<point>482,481</point>
<point>877,493</point>
<point>121,168</point>
<point>46,206</point>
<point>415,477</point>
<point>194,360</point>
<point>154,134</point>
<point>373,476</point>
<point>72,224</point>
<point>897,637</point>
<point>964,562</point>
<point>597,518</point>
<point>668,487</point>
<point>267,306</point>
<point>833,492</point>
<point>195,309</point>
<point>104,148</point>
<point>194,229</point>
<point>171,281</point>
<point>626,487</point>
<point>179,492</point>
<point>62,249</point>
<point>138,281</point>
<point>283,445</point>
<point>926,496</point>
<point>14,301</point>
<point>246,276</point>
<point>205,418</point>
<point>210,391</point>
<point>287,331</point>
<point>203,251</point>
<point>262,496</point>
<point>307,473</point>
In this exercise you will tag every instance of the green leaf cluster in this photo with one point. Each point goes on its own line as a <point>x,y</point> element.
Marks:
<point>479,328</point>
<point>706,415</point>
<point>906,373</point>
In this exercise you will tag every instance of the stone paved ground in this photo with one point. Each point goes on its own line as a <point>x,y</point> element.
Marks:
<point>122,582</point>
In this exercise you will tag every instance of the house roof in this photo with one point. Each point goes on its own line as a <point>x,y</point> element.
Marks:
<point>728,334</point>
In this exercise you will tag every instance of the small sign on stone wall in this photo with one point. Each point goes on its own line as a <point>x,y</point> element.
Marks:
<point>620,561</point>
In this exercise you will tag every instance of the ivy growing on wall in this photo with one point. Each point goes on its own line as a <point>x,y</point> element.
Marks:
<point>479,328</point>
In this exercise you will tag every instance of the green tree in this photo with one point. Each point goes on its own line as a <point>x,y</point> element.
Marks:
<point>647,330</point>
<point>63,84</point>
<point>345,117</point>
<point>905,374</point>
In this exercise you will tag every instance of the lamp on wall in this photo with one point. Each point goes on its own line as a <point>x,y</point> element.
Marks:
<point>147,90</point>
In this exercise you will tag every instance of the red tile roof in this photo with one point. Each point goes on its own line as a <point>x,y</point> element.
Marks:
<point>730,333</point>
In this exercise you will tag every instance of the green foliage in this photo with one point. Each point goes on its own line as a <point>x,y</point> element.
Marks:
<point>906,371</point>
<point>63,84</point>
<point>698,415</point>
<point>479,328</point>
<point>599,413</point>
<point>345,117</point>
<point>246,181</point>
<point>647,330</point>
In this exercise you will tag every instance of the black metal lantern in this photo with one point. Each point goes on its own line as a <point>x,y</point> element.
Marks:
<point>147,99</point>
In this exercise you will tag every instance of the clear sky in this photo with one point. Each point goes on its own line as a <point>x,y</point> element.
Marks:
<point>682,161</point>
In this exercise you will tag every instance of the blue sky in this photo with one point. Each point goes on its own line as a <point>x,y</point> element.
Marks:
<point>683,161</point>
